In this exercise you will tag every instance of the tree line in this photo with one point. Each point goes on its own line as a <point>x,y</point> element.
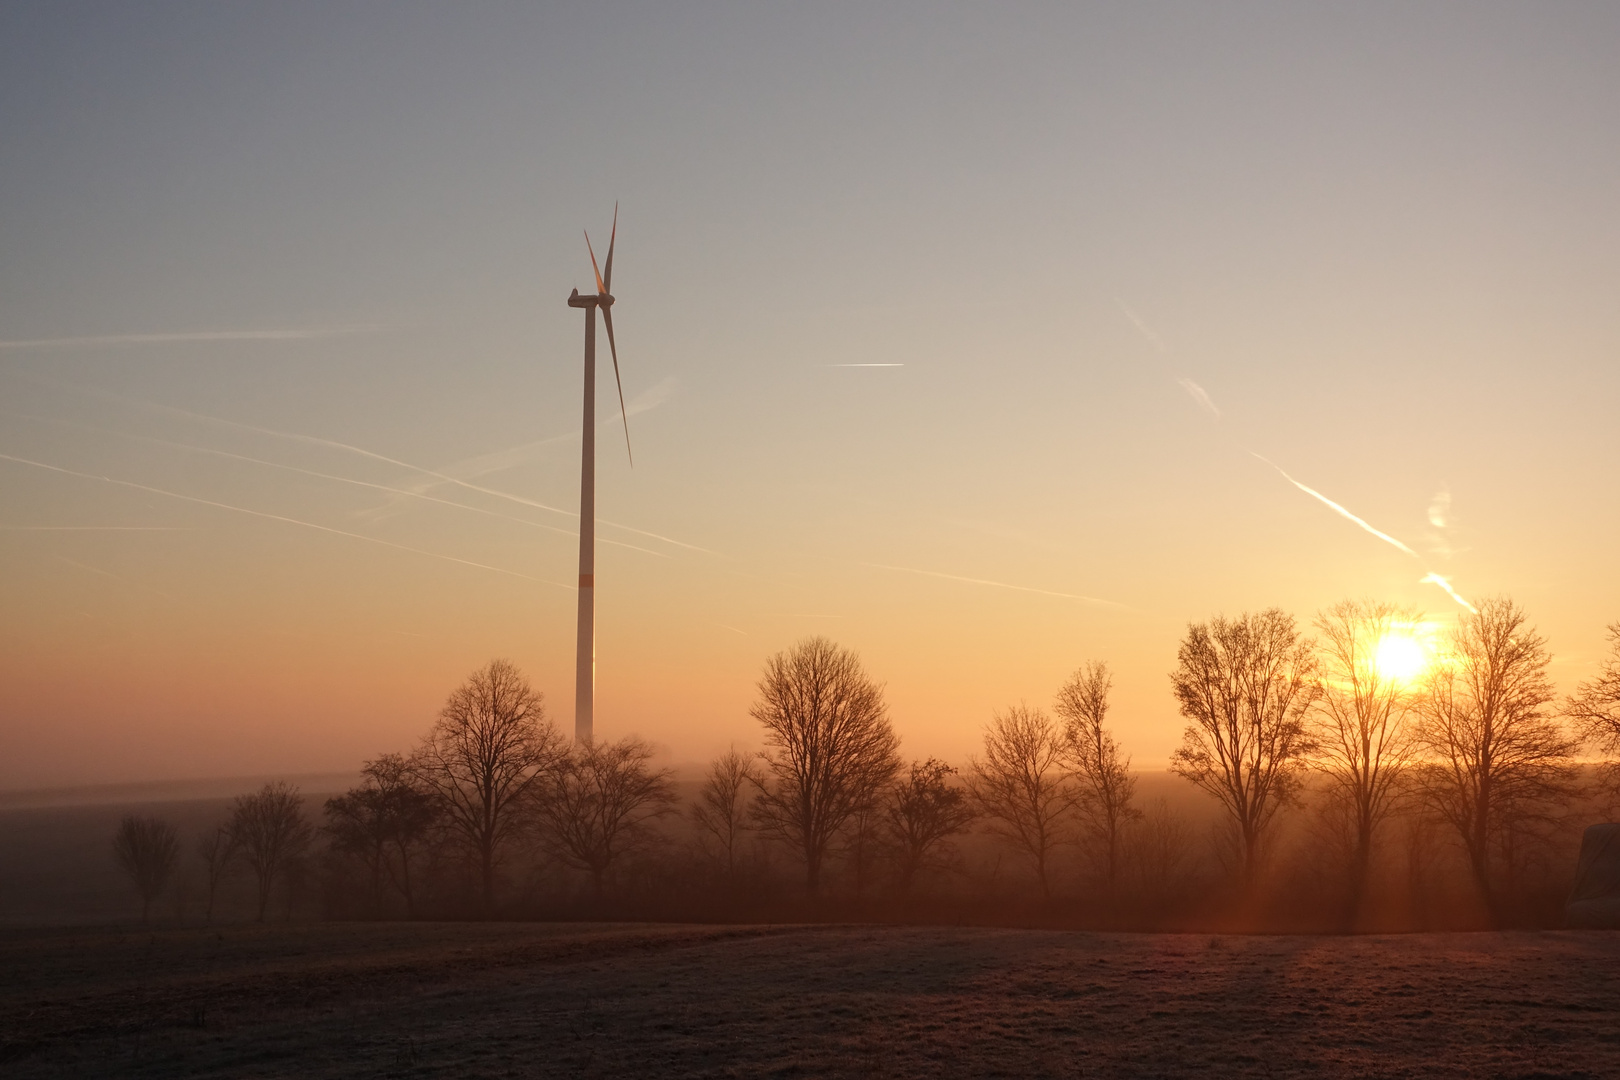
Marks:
<point>1325,772</point>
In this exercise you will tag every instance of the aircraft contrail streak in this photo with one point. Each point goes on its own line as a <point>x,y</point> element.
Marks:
<point>1384,536</point>
<point>318,441</point>
<point>376,487</point>
<point>363,452</point>
<point>996,584</point>
<point>1154,339</point>
<point>193,336</point>
<point>93,528</point>
<point>278,517</point>
<point>1436,579</point>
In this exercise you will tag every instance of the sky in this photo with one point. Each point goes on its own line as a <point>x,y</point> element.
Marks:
<point>984,340</point>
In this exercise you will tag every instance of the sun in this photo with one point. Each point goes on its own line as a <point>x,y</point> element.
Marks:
<point>1401,657</point>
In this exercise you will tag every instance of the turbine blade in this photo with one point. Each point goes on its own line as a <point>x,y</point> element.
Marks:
<point>600,288</point>
<point>607,318</point>
<point>607,268</point>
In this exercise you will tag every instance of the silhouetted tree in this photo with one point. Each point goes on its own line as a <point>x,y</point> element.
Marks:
<point>1245,684</point>
<point>1497,757</point>
<point>146,849</point>
<point>217,850</point>
<point>600,802</point>
<point>860,842</point>
<point>922,812</point>
<point>384,822</point>
<point>1595,708</point>
<point>1021,788</point>
<point>722,806</point>
<point>1361,731</point>
<point>1105,787</point>
<point>1159,842</point>
<point>830,748</point>
<point>491,744</point>
<point>269,830</point>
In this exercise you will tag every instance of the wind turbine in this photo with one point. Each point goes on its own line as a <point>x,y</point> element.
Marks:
<point>585,655</point>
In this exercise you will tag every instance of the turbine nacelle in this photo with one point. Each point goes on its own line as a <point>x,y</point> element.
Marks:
<point>598,300</point>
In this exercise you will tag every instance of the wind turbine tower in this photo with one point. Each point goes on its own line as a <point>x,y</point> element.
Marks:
<point>585,657</point>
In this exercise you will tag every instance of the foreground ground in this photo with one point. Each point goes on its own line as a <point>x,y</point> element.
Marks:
<point>536,1000</point>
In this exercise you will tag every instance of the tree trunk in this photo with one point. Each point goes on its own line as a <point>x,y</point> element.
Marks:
<point>487,865</point>
<point>1479,851</point>
<point>405,883</point>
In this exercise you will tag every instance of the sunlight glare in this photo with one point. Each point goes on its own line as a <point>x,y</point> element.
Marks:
<point>1401,657</point>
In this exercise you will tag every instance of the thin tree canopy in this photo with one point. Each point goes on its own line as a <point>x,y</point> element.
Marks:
<point>923,811</point>
<point>269,829</point>
<point>1021,787</point>
<point>723,805</point>
<point>1105,788</point>
<point>1595,706</point>
<point>147,849</point>
<point>1496,751</point>
<point>1245,685</point>
<point>830,750</point>
<point>490,744</point>
<point>600,802</point>
<point>1363,735</point>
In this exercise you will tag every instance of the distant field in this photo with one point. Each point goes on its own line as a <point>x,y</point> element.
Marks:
<point>540,1000</point>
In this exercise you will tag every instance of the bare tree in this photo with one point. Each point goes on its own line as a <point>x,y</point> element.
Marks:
<point>217,850</point>
<point>1496,755</point>
<point>830,748</point>
<point>491,743</point>
<point>1160,839</point>
<point>722,807</point>
<point>923,811</point>
<point>600,802</point>
<point>860,842</point>
<point>1021,787</point>
<point>269,829</point>
<point>1105,787</point>
<point>1595,708</point>
<point>146,849</point>
<point>1363,737</point>
<point>1245,684</point>
<point>385,822</point>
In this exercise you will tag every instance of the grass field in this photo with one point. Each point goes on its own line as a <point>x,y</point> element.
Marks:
<point>521,1000</point>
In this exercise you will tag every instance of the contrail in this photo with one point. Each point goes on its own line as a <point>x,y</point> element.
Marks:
<point>496,461</point>
<point>278,517</point>
<point>191,336</point>
<point>363,452</point>
<point>1436,579</point>
<point>1431,579</point>
<point>358,483</point>
<point>1437,510</point>
<point>864,365</point>
<point>1153,339</point>
<point>997,584</point>
<point>93,528</point>
<point>1198,394</point>
<point>1384,536</point>
<point>318,441</point>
